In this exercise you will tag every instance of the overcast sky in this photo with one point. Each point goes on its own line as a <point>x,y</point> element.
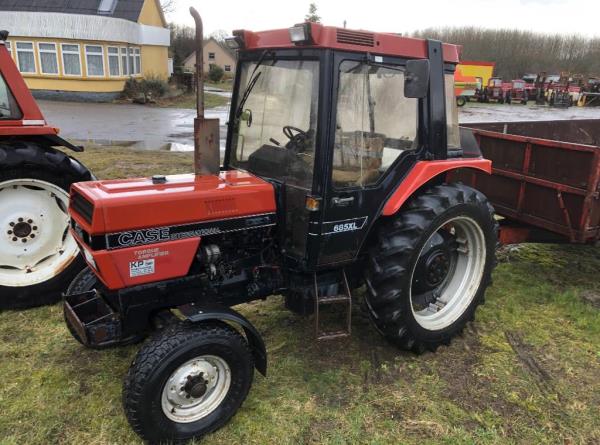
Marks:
<point>548,16</point>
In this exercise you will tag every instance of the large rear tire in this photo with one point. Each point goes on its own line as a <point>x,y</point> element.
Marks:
<point>187,381</point>
<point>38,255</point>
<point>430,267</point>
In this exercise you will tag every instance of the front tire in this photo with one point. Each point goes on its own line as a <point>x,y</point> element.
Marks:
<point>430,267</point>
<point>38,255</point>
<point>187,381</point>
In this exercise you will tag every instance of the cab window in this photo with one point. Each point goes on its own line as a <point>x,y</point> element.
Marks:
<point>375,123</point>
<point>8,106</point>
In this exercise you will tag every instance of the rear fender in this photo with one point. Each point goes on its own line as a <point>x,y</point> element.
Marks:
<point>425,171</point>
<point>198,314</point>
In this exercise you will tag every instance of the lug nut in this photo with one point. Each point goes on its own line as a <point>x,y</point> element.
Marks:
<point>14,238</point>
<point>29,221</point>
<point>20,219</point>
<point>10,232</point>
<point>12,224</point>
<point>34,227</point>
<point>32,235</point>
<point>24,240</point>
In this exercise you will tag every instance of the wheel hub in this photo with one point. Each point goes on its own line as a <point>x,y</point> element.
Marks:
<point>196,386</point>
<point>22,230</point>
<point>437,267</point>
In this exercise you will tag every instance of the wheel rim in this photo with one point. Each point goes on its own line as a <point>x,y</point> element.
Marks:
<point>448,273</point>
<point>35,243</point>
<point>196,389</point>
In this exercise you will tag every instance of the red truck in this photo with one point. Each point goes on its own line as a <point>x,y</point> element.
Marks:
<point>38,255</point>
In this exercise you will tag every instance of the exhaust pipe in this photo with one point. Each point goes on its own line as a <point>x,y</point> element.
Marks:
<point>207,147</point>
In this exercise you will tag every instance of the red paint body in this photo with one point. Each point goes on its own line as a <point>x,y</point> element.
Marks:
<point>32,121</point>
<point>129,204</point>
<point>423,172</point>
<point>349,40</point>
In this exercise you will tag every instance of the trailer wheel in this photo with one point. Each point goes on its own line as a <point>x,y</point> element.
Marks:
<point>461,101</point>
<point>38,256</point>
<point>430,267</point>
<point>187,381</point>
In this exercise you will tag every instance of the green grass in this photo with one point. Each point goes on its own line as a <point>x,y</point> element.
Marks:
<point>526,372</point>
<point>189,101</point>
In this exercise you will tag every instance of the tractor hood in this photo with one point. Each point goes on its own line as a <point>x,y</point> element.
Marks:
<point>114,206</point>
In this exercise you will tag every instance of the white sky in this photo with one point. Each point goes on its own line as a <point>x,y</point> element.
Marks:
<point>546,16</point>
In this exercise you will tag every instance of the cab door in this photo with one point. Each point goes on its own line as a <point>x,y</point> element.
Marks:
<point>372,144</point>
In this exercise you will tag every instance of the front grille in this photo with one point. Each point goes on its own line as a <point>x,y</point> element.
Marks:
<point>355,37</point>
<point>82,206</point>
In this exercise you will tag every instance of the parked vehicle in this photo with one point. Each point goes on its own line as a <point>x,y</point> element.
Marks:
<point>465,88</point>
<point>517,92</point>
<point>496,90</point>
<point>325,187</point>
<point>545,178</point>
<point>38,255</point>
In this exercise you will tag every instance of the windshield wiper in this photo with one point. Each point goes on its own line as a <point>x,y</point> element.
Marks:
<point>253,79</point>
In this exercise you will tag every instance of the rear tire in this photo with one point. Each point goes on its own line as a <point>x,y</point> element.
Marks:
<point>430,267</point>
<point>166,397</point>
<point>33,178</point>
<point>461,101</point>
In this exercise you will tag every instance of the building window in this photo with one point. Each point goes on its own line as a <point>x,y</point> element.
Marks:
<point>138,62</point>
<point>227,68</point>
<point>113,61</point>
<point>131,62</point>
<point>8,47</point>
<point>124,64</point>
<point>48,58</point>
<point>71,60</point>
<point>25,57</point>
<point>94,58</point>
<point>211,56</point>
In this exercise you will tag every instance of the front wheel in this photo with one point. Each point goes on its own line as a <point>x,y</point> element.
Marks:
<point>430,267</point>
<point>187,381</point>
<point>461,101</point>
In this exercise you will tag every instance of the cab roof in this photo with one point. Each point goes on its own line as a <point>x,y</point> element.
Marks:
<point>387,44</point>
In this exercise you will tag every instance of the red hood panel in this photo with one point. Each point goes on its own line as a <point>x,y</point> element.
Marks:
<point>129,204</point>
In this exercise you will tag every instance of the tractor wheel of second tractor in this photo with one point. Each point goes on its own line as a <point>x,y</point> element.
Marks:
<point>430,265</point>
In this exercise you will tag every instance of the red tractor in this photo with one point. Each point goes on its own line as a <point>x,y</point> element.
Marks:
<point>518,92</point>
<point>334,177</point>
<point>496,90</point>
<point>38,255</point>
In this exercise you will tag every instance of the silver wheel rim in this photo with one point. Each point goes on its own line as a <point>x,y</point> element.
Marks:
<point>35,243</point>
<point>196,389</point>
<point>460,286</point>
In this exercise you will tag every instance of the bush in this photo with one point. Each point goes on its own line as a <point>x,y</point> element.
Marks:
<point>152,87</point>
<point>215,73</point>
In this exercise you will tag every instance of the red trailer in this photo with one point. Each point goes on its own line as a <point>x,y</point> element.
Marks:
<point>545,178</point>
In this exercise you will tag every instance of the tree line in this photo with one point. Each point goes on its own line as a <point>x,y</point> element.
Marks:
<point>520,52</point>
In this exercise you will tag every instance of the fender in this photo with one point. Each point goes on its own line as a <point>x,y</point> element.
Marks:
<point>424,171</point>
<point>197,314</point>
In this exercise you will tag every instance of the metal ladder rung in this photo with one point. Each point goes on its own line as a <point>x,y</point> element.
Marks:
<point>333,299</point>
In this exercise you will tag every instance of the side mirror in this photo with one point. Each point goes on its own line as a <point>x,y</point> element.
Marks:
<point>416,78</point>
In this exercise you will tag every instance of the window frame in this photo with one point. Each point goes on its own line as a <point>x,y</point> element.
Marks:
<point>87,65</point>
<point>137,61</point>
<point>382,61</point>
<point>118,56</point>
<point>227,68</point>
<point>8,46</point>
<point>18,59</point>
<point>40,51</point>
<point>62,56</point>
<point>10,95</point>
<point>124,52</point>
<point>214,56</point>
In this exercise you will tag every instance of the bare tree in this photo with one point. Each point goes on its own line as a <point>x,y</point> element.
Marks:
<point>168,5</point>
<point>312,15</point>
<point>219,35</point>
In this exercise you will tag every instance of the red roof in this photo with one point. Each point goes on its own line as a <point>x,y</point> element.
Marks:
<point>350,40</point>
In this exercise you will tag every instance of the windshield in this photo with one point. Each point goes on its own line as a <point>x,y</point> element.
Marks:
<point>276,120</point>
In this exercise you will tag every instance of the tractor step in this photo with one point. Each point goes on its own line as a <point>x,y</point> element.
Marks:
<point>321,300</point>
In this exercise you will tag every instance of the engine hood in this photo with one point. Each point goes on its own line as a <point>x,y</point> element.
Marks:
<point>112,206</point>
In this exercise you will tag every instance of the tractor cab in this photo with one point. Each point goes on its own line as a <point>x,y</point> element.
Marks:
<point>335,127</point>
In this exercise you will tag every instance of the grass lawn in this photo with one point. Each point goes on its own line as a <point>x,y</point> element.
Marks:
<point>189,101</point>
<point>526,372</point>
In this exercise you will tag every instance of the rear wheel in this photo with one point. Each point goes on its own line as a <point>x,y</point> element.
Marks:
<point>430,267</point>
<point>461,101</point>
<point>38,255</point>
<point>187,381</point>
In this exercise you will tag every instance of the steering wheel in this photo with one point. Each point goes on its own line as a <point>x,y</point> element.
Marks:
<point>289,131</point>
